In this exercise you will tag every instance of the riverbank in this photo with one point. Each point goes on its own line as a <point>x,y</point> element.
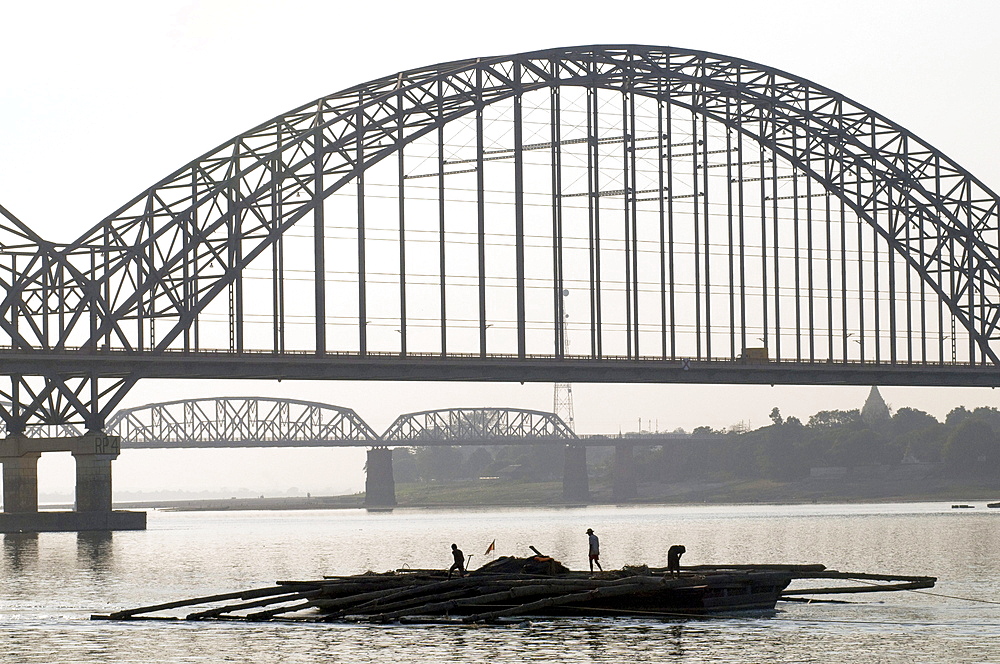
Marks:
<point>504,493</point>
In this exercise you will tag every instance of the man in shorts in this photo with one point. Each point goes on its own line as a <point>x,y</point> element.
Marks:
<point>594,551</point>
<point>459,564</point>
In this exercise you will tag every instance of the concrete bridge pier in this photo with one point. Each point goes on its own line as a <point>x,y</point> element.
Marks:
<point>20,483</point>
<point>380,487</point>
<point>93,482</point>
<point>94,453</point>
<point>576,487</point>
<point>623,484</point>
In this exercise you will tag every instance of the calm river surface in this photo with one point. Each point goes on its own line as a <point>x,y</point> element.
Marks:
<point>52,582</point>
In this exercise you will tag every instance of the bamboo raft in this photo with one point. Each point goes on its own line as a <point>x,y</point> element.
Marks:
<point>513,588</point>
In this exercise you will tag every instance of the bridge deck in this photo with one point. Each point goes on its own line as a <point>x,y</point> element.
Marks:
<point>496,367</point>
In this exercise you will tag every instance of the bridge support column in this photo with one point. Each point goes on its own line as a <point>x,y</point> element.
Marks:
<point>94,453</point>
<point>623,485</point>
<point>380,487</point>
<point>93,482</point>
<point>20,483</point>
<point>576,487</point>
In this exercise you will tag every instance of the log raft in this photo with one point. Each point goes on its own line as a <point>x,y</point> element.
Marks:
<point>512,588</point>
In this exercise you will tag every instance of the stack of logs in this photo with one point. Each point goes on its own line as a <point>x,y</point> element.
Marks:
<point>428,596</point>
<point>399,596</point>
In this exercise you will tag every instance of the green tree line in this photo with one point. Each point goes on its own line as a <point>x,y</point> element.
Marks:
<point>442,463</point>
<point>966,444</point>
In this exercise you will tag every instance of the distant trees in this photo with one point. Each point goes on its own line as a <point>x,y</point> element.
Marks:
<point>404,465</point>
<point>449,463</point>
<point>967,443</point>
<point>834,418</point>
<point>778,450</point>
<point>908,420</point>
<point>989,415</point>
<point>971,448</point>
<point>859,446</point>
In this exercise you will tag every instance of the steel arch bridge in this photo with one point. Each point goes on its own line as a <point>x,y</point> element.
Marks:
<point>240,422</point>
<point>483,426</point>
<point>599,213</point>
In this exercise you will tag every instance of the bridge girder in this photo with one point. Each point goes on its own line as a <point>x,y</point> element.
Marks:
<point>172,270</point>
<point>487,426</point>
<point>239,422</point>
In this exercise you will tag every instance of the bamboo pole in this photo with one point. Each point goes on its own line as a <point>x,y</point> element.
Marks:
<point>380,598</point>
<point>351,599</point>
<point>444,606</point>
<point>832,574</point>
<point>214,613</point>
<point>914,585</point>
<point>570,598</point>
<point>765,568</point>
<point>426,593</point>
<point>508,586</point>
<point>418,605</point>
<point>356,585</point>
<point>270,613</point>
<point>347,589</point>
<point>373,599</point>
<point>243,594</point>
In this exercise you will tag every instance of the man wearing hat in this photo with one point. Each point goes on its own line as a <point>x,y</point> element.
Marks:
<point>595,550</point>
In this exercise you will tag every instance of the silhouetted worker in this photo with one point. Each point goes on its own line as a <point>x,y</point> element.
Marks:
<point>674,554</point>
<point>594,551</point>
<point>459,563</point>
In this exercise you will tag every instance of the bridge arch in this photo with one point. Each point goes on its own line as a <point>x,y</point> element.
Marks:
<point>450,426</point>
<point>239,421</point>
<point>644,203</point>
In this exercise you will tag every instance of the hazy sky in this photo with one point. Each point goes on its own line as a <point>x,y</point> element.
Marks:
<point>99,100</point>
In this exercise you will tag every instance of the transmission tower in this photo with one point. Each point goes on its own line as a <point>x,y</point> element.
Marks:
<point>562,397</point>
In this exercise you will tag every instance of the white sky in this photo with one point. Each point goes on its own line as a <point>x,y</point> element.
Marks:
<point>100,99</point>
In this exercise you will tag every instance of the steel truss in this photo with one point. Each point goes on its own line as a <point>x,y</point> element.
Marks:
<point>239,422</point>
<point>487,426</point>
<point>422,225</point>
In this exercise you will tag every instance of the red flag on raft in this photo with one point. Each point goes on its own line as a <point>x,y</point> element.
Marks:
<point>491,547</point>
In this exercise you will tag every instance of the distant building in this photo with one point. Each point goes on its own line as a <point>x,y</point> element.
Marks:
<point>875,409</point>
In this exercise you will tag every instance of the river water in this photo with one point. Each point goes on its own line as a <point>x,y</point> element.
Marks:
<point>53,582</point>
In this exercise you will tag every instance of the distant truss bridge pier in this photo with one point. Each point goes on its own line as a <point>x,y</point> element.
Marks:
<point>234,422</point>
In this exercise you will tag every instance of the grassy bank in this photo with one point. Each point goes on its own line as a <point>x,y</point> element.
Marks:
<point>478,493</point>
<point>810,490</point>
<point>510,493</point>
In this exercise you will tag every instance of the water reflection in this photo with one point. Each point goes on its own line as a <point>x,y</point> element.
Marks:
<point>595,639</point>
<point>20,551</point>
<point>95,550</point>
<point>676,640</point>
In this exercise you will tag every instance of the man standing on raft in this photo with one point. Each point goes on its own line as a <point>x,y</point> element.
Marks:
<point>459,564</point>
<point>595,550</point>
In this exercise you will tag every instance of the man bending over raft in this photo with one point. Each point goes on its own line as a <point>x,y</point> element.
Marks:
<point>459,563</point>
